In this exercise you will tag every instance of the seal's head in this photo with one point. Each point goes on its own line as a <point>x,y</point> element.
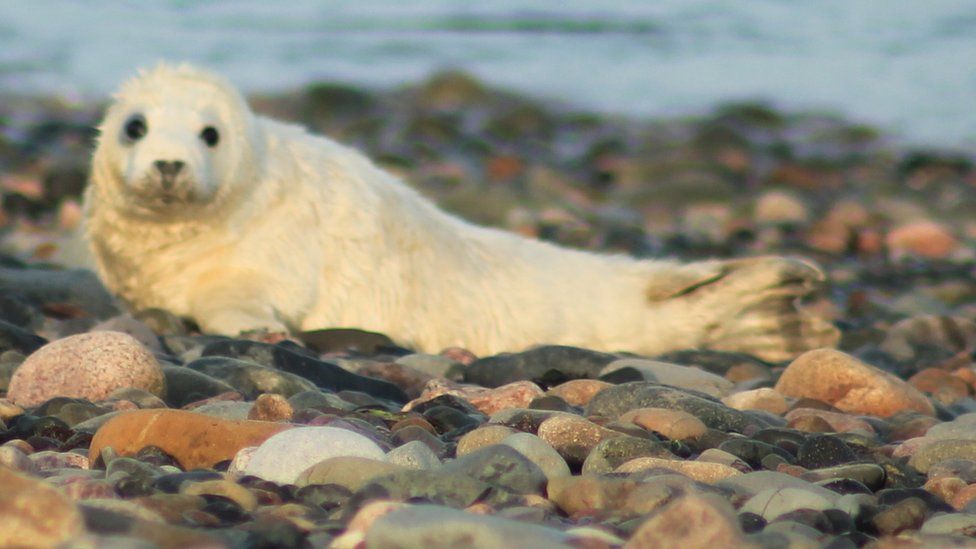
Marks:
<point>174,138</point>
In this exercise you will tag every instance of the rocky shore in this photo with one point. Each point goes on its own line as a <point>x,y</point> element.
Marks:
<point>132,429</point>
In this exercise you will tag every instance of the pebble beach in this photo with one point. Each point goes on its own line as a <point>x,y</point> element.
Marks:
<point>127,428</point>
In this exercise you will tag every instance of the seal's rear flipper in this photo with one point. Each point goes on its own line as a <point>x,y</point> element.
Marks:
<point>753,306</point>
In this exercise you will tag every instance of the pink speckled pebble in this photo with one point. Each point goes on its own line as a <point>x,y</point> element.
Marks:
<point>88,366</point>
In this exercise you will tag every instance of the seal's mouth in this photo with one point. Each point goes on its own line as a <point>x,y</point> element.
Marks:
<point>158,192</point>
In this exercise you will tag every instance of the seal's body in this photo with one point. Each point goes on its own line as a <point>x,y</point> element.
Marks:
<point>200,207</point>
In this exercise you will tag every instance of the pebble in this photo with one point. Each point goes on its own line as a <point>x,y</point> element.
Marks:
<point>411,380</point>
<point>185,386</point>
<point>295,360</point>
<point>589,493</point>
<point>821,451</point>
<point>271,407</point>
<point>485,435</point>
<point>502,466</point>
<point>432,526</point>
<point>350,472</point>
<point>538,452</point>
<point>436,366</point>
<point>439,487</point>
<point>685,377</point>
<point>943,386</point>
<point>610,453</point>
<point>9,410</point>
<point>225,409</point>
<point>616,401</point>
<point>907,514</point>
<point>547,366</point>
<point>941,450</point>
<point>772,503</point>
<point>850,385</point>
<point>924,238</point>
<point>15,338</point>
<point>673,424</point>
<point>578,392</point>
<point>964,497</point>
<point>700,471</point>
<point>194,440</point>
<point>413,455</point>
<point>249,378</point>
<point>223,488</point>
<point>964,469</point>
<point>779,207</point>
<point>88,366</point>
<point>964,524</point>
<point>127,324</point>
<point>15,459</point>
<point>871,475</point>
<point>755,482</point>
<point>285,455</point>
<point>362,520</point>
<point>319,400</point>
<point>34,514</point>
<point>764,398</point>
<point>692,520</point>
<point>518,394</point>
<point>48,459</point>
<point>834,421</point>
<point>573,437</point>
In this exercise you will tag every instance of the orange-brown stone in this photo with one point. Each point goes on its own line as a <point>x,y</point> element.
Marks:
<point>850,385</point>
<point>578,392</point>
<point>35,514</point>
<point>195,440</point>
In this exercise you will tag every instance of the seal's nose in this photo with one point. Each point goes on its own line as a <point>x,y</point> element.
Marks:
<point>168,169</point>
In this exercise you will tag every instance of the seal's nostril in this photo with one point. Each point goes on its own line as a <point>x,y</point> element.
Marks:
<point>169,167</point>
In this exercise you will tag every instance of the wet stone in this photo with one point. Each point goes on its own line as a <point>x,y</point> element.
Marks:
<point>546,366</point>
<point>301,362</point>
<point>524,419</point>
<point>870,475</point>
<point>613,452</point>
<point>539,452</point>
<point>413,433</point>
<point>172,483</point>
<point>250,378</point>
<point>753,451</point>
<point>413,455</point>
<point>323,496</point>
<point>481,437</point>
<point>437,487</point>
<point>186,385</point>
<point>942,450</point>
<point>775,502</point>
<point>502,466</point>
<point>445,419</point>
<point>17,339</point>
<point>824,451</point>
<point>615,401</point>
<point>573,437</point>
<point>907,514</point>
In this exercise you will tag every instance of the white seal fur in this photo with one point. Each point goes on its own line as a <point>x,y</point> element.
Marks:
<point>198,206</point>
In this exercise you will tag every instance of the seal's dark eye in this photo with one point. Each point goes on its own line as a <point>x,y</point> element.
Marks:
<point>135,127</point>
<point>210,136</point>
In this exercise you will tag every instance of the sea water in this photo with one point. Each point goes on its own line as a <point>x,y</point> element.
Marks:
<point>908,66</point>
